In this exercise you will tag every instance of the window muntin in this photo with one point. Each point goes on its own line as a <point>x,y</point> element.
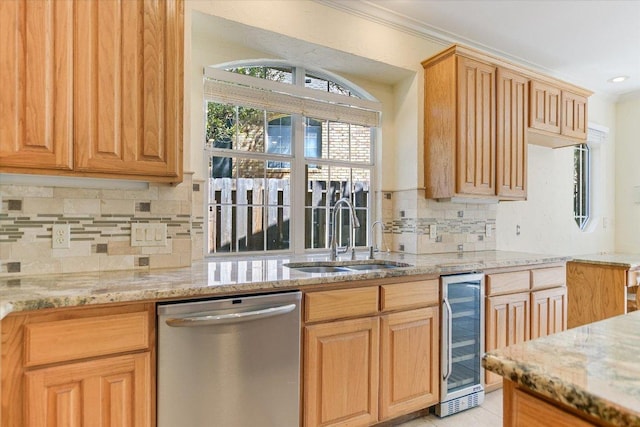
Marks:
<point>252,161</point>
<point>581,190</point>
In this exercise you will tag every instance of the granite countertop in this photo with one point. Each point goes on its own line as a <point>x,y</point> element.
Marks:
<point>229,276</point>
<point>629,261</point>
<point>592,368</point>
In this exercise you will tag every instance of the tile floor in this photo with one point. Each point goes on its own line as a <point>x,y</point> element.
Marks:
<point>489,414</point>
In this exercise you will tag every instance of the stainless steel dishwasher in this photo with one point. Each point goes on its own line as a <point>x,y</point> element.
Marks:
<point>231,362</point>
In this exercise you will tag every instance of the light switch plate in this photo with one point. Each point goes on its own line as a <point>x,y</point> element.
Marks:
<point>487,230</point>
<point>433,231</point>
<point>148,234</point>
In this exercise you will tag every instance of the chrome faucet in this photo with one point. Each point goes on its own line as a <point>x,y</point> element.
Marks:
<point>353,220</point>
<point>373,248</point>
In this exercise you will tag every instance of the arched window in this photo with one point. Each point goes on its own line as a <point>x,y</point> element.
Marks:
<point>284,145</point>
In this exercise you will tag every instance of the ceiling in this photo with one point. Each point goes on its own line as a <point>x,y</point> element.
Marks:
<point>586,42</point>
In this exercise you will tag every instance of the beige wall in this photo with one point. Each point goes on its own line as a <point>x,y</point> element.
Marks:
<point>628,175</point>
<point>545,219</point>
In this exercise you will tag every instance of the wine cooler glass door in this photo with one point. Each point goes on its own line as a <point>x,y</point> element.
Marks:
<point>463,335</point>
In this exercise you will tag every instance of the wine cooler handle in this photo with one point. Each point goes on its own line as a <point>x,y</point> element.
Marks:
<point>447,306</point>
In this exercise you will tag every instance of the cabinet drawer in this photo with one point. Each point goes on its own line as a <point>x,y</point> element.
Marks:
<point>337,304</point>
<point>66,340</point>
<point>548,277</point>
<point>409,295</point>
<point>507,283</point>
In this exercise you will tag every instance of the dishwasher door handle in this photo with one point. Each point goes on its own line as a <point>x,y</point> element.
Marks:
<point>223,319</point>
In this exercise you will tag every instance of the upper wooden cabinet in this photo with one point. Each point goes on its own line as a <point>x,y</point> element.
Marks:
<point>475,127</point>
<point>36,86</point>
<point>476,142</point>
<point>545,107</point>
<point>511,135</point>
<point>557,114</point>
<point>112,74</point>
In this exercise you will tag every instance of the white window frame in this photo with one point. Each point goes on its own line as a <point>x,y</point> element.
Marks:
<point>597,136</point>
<point>333,102</point>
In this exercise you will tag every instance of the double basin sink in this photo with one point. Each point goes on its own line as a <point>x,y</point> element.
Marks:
<point>344,266</point>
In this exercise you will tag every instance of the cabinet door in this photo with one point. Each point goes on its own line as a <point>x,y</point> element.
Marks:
<point>36,70</point>
<point>105,392</point>
<point>476,128</point>
<point>128,87</point>
<point>511,135</point>
<point>574,115</point>
<point>548,312</point>
<point>409,361</point>
<point>341,373</point>
<point>544,108</point>
<point>507,322</point>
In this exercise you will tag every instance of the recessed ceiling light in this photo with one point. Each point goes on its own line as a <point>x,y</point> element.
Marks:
<point>618,79</point>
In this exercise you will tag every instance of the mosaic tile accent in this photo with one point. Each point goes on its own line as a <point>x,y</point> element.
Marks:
<point>100,224</point>
<point>408,218</point>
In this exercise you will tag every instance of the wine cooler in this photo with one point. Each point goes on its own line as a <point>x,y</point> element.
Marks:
<point>462,343</point>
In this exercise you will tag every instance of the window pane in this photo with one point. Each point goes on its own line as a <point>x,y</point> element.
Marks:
<point>338,141</point>
<point>319,83</point>
<point>361,185</point>
<point>222,215</point>
<point>339,184</point>
<point>250,200</point>
<point>251,130</point>
<point>279,211</point>
<point>581,185</point>
<point>220,126</point>
<point>360,144</point>
<point>313,138</point>
<point>278,74</point>
<point>316,207</point>
<point>279,133</point>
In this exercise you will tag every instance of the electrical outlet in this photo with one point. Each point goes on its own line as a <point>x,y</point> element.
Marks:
<point>60,236</point>
<point>433,231</point>
<point>487,230</point>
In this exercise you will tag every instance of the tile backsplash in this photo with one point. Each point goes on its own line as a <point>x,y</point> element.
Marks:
<point>409,216</point>
<point>100,224</point>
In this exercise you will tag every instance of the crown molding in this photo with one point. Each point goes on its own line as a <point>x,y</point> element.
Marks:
<point>381,15</point>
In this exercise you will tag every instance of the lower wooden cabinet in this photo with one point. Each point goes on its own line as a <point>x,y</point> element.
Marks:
<point>507,322</point>
<point>548,312</point>
<point>341,373</point>
<point>523,305</point>
<point>523,409</point>
<point>112,391</point>
<point>409,353</point>
<point>358,372</point>
<point>85,366</point>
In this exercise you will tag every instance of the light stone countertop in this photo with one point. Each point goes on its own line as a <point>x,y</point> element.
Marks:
<point>593,368</point>
<point>629,261</point>
<point>226,276</point>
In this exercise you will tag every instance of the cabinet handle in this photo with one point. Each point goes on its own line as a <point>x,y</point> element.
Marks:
<point>223,319</point>
<point>449,312</point>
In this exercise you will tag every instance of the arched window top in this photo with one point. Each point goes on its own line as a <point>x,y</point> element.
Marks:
<point>285,72</point>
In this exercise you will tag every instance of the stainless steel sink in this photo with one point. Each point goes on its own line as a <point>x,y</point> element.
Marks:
<point>321,269</point>
<point>344,266</point>
<point>377,266</point>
